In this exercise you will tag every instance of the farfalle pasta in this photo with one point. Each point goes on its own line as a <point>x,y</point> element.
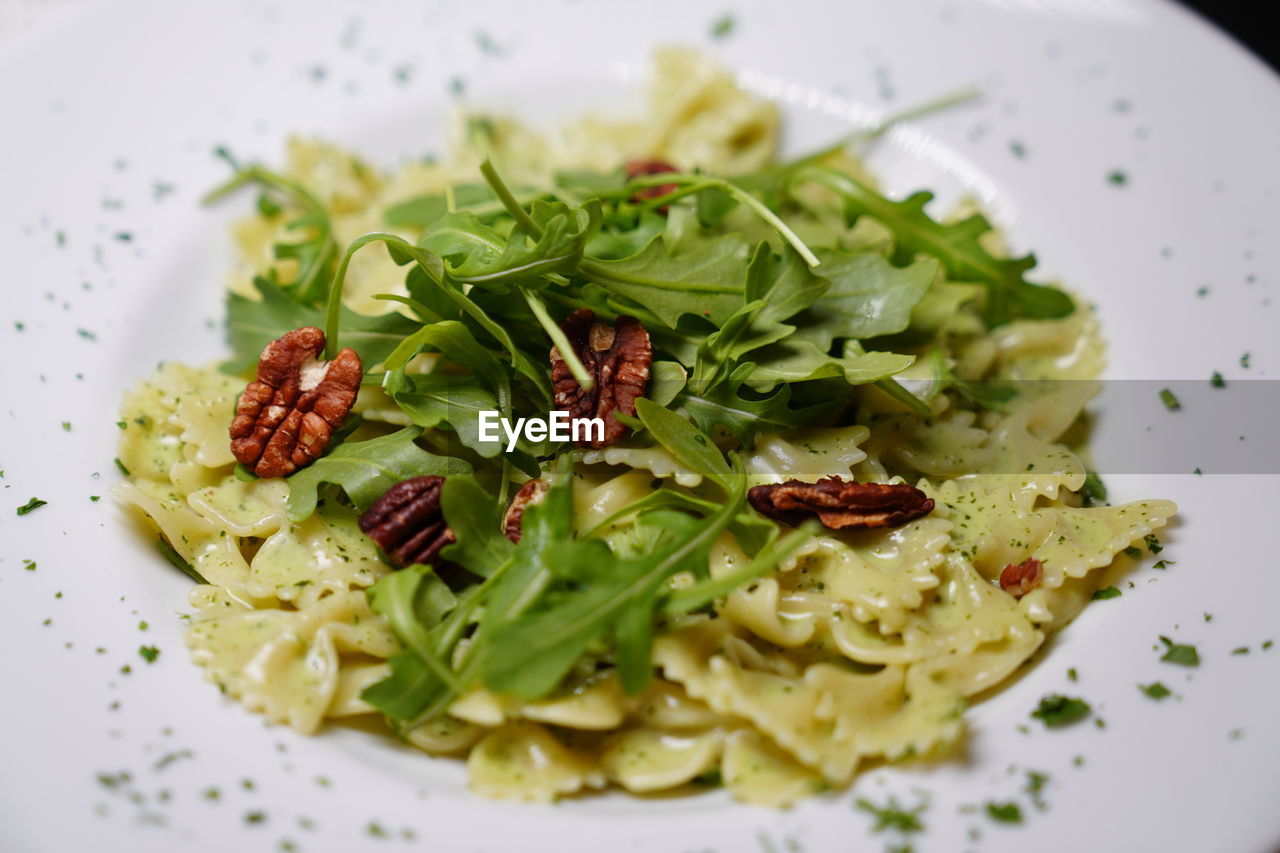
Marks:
<point>637,624</point>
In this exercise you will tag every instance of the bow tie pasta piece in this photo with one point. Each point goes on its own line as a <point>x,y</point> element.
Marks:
<point>285,663</point>
<point>646,759</point>
<point>326,553</point>
<point>523,761</point>
<point>827,716</point>
<point>807,454</point>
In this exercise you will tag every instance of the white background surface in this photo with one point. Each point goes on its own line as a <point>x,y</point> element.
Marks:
<point>104,102</point>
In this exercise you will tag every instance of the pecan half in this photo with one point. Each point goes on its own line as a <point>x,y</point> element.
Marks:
<point>530,493</point>
<point>407,523</point>
<point>638,168</point>
<point>617,357</point>
<point>1018,579</point>
<point>285,417</point>
<point>840,505</point>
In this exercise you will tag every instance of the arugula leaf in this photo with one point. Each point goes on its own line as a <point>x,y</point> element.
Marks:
<point>614,243</point>
<point>723,405</point>
<point>252,324</point>
<point>799,360</point>
<point>476,521</point>
<point>365,470</point>
<point>868,297</point>
<point>315,254</point>
<point>454,400</point>
<point>956,246</point>
<point>476,254</point>
<point>775,289</point>
<point>428,283</point>
<point>175,559</point>
<point>530,656</point>
<point>785,283</point>
<point>688,444</point>
<point>424,210</point>
<point>666,380</point>
<point>417,604</point>
<point>705,279</point>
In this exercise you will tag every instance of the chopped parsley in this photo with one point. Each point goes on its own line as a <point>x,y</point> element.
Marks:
<point>1179,654</point>
<point>255,817</point>
<point>1056,710</point>
<point>1170,401</point>
<point>1072,675</point>
<point>120,465</point>
<point>1244,361</point>
<point>1240,650</point>
<point>1163,564</point>
<point>1004,812</point>
<point>31,506</point>
<point>892,815</point>
<point>1133,551</point>
<point>1217,381</point>
<point>29,565</point>
<point>1105,593</point>
<point>1035,787</point>
<point>723,26</point>
<point>1153,544</point>
<point>1117,178</point>
<point>149,653</point>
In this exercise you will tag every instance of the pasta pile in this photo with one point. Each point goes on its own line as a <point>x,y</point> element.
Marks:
<point>863,645</point>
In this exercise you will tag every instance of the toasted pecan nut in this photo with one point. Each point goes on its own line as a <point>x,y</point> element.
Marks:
<point>285,417</point>
<point>617,357</point>
<point>840,505</point>
<point>1018,579</point>
<point>638,168</point>
<point>407,522</point>
<point>530,493</point>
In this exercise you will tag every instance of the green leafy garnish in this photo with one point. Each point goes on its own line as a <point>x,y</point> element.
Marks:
<point>1007,812</point>
<point>254,323</point>
<point>893,816</point>
<point>366,469</point>
<point>1056,710</point>
<point>31,506</point>
<point>1094,491</point>
<point>1155,690</point>
<point>148,653</point>
<point>1170,401</point>
<point>177,561</point>
<point>955,246</point>
<point>1180,654</point>
<point>1105,593</point>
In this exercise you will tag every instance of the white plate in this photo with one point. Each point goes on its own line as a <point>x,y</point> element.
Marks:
<point>111,265</point>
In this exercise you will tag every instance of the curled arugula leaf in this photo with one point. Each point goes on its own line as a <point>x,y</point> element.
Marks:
<point>316,252</point>
<point>956,246</point>
<point>252,324</point>
<point>475,253</point>
<point>365,470</point>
